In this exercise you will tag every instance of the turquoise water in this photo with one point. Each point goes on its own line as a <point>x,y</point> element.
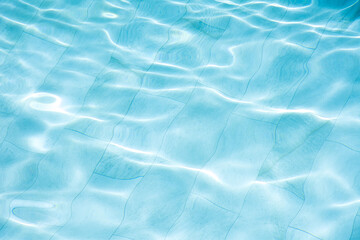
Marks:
<point>171,119</point>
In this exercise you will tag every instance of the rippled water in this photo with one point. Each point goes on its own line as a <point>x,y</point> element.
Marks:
<point>170,119</point>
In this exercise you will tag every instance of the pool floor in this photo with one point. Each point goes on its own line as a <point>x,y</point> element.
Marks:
<point>179,120</point>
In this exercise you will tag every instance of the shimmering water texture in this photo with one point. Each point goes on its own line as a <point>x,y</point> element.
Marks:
<point>186,120</point>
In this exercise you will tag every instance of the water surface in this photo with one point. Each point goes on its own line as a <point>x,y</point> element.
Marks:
<point>179,119</point>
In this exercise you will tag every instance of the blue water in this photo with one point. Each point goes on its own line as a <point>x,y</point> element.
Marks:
<point>179,119</point>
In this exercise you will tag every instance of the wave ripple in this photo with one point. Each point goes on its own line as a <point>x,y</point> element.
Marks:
<point>179,119</point>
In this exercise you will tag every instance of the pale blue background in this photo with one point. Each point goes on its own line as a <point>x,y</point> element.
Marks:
<point>171,119</point>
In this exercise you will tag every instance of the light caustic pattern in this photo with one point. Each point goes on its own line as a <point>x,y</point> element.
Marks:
<point>179,119</point>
